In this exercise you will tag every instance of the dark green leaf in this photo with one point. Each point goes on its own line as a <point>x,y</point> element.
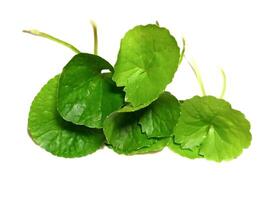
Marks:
<point>86,96</point>
<point>51,132</point>
<point>124,133</point>
<point>160,117</point>
<point>145,130</point>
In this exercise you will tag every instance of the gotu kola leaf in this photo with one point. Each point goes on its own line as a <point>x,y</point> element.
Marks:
<point>158,119</point>
<point>147,60</point>
<point>208,127</point>
<point>145,130</point>
<point>59,137</point>
<point>85,95</point>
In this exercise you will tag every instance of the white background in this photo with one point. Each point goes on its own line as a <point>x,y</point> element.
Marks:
<point>228,34</point>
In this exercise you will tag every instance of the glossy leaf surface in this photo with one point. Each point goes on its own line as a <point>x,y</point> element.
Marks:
<point>59,137</point>
<point>86,96</point>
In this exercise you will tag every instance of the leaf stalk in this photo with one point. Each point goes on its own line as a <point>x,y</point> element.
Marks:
<point>224,83</point>
<point>52,38</point>
<point>95,37</point>
<point>197,73</point>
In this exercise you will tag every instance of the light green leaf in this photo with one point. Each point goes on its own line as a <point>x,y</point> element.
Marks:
<point>51,132</point>
<point>211,125</point>
<point>147,61</point>
<point>86,96</point>
<point>145,130</point>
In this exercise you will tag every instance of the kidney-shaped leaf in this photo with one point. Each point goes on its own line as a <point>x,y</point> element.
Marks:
<point>57,136</point>
<point>86,96</point>
<point>213,127</point>
<point>147,61</point>
<point>124,134</point>
<point>145,130</point>
<point>159,118</point>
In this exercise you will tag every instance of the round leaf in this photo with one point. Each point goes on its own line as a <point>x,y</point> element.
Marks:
<point>124,134</point>
<point>51,132</point>
<point>211,125</point>
<point>159,119</point>
<point>147,61</point>
<point>86,96</point>
<point>145,130</point>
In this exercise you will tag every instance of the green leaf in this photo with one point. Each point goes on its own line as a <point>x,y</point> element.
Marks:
<point>51,132</point>
<point>160,117</point>
<point>145,130</point>
<point>155,147</point>
<point>124,134</point>
<point>147,61</point>
<point>211,125</point>
<point>86,96</point>
<point>189,153</point>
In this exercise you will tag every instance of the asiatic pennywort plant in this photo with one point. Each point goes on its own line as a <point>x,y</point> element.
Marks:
<point>125,107</point>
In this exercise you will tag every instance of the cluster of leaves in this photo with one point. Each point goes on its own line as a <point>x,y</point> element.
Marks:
<point>127,108</point>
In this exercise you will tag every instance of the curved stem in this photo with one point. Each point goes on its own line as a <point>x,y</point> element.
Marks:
<point>47,36</point>
<point>224,83</point>
<point>198,76</point>
<point>95,37</point>
<point>183,51</point>
<point>157,23</point>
